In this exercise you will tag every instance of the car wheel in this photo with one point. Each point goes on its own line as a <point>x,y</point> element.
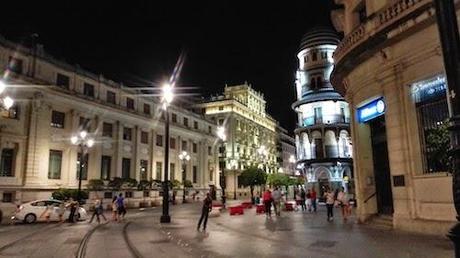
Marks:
<point>30,218</point>
<point>76,217</point>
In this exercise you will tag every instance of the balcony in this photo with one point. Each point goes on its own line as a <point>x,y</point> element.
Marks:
<point>329,119</point>
<point>377,30</point>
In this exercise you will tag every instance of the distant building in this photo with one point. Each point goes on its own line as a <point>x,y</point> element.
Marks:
<point>323,132</point>
<point>56,100</point>
<point>252,135</point>
<point>390,69</point>
<point>286,152</point>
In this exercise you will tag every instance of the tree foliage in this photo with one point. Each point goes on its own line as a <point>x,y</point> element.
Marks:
<point>95,185</point>
<point>64,194</point>
<point>437,141</point>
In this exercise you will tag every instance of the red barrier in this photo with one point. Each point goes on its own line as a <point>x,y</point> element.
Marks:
<point>236,210</point>
<point>247,205</point>
<point>289,206</point>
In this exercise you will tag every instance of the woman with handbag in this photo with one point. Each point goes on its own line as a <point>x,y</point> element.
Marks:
<point>342,199</point>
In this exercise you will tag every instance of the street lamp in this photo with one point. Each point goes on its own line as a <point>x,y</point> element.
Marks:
<point>83,143</point>
<point>6,102</point>
<point>233,166</point>
<point>167,98</point>
<point>222,136</point>
<point>184,156</point>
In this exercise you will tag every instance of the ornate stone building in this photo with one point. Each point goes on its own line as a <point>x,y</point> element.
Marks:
<point>389,67</point>
<point>323,135</point>
<point>251,133</point>
<point>55,100</point>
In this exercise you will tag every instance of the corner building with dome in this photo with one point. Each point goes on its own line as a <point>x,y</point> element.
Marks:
<point>322,135</point>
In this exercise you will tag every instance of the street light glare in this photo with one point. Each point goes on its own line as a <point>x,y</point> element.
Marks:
<point>74,139</point>
<point>8,102</point>
<point>2,86</point>
<point>90,143</point>
<point>83,134</point>
<point>168,94</point>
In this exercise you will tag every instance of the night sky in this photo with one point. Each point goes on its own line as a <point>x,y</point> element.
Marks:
<point>139,42</point>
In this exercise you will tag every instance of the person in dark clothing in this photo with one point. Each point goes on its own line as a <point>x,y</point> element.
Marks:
<point>303,199</point>
<point>207,206</point>
<point>73,209</point>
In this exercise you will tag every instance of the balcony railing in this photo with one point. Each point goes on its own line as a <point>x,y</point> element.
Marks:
<point>375,24</point>
<point>329,119</point>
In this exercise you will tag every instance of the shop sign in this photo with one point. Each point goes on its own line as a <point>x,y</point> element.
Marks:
<point>371,110</point>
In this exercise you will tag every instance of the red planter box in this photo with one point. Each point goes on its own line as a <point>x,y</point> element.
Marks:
<point>236,210</point>
<point>289,206</point>
<point>247,205</point>
<point>260,208</point>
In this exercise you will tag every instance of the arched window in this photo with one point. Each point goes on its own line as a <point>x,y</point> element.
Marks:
<point>319,82</point>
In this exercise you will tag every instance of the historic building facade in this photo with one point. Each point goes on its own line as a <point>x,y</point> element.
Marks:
<point>389,67</point>
<point>251,133</point>
<point>55,100</point>
<point>322,136</point>
<point>286,152</point>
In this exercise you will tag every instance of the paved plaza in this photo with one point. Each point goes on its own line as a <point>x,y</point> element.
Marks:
<point>294,234</point>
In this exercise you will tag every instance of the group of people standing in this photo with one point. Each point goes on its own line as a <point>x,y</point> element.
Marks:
<point>308,201</point>
<point>118,209</point>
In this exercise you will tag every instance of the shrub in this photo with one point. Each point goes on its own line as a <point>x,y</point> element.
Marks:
<point>144,185</point>
<point>129,182</point>
<point>187,183</point>
<point>115,184</point>
<point>176,183</point>
<point>95,185</point>
<point>65,194</point>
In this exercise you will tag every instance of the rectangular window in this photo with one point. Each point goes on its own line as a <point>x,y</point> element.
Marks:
<point>194,147</point>
<point>57,119</point>
<point>144,137</point>
<point>221,121</point>
<point>221,108</point>
<point>130,103</point>
<point>159,140</point>
<point>314,56</point>
<point>127,133</point>
<point>146,109</point>
<point>143,167</point>
<point>195,125</point>
<point>432,115</point>
<point>209,150</point>
<point>209,129</point>
<point>195,175</point>
<point>54,166</point>
<point>185,121</point>
<point>84,170</point>
<point>107,130</point>
<point>106,163</point>
<point>184,145</point>
<point>85,123</point>
<point>125,168</point>
<point>88,90</point>
<point>15,65</point>
<point>12,112</point>
<point>158,170</point>
<point>172,171</point>
<point>174,118</point>
<point>172,143</point>
<point>62,81</point>
<point>7,163</point>
<point>7,197</point>
<point>111,97</point>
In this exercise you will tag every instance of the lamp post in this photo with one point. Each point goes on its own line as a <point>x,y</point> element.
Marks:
<point>184,156</point>
<point>6,102</point>
<point>450,42</point>
<point>233,166</point>
<point>222,136</point>
<point>167,98</point>
<point>84,143</point>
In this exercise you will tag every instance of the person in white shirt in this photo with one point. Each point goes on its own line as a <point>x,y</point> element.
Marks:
<point>329,204</point>
<point>276,195</point>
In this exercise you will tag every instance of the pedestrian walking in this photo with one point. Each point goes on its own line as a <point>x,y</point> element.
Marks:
<point>114,209</point>
<point>276,195</point>
<point>121,207</point>
<point>308,196</point>
<point>313,199</point>
<point>267,199</point>
<point>61,211</point>
<point>98,211</point>
<point>342,198</point>
<point>73,208</point>
<point>207,206</point>
<point>303,199</point>
<point>329,195</point>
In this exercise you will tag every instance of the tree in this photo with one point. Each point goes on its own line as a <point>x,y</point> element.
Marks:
<point>252,176</point>
<point>438,144</point>
<point>95,185</point>
<point>277,179</point>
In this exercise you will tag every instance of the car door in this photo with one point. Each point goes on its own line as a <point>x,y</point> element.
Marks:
<point>54,212</point>
<point>38,208</point>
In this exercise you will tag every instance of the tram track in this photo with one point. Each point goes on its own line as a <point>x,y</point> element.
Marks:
<point>21,239</point>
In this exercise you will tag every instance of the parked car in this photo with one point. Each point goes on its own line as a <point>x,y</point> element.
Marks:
<point>33,211</point>
<point>1,216</point>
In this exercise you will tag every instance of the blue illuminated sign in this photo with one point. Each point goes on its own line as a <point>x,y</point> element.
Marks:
<point>371,110</point>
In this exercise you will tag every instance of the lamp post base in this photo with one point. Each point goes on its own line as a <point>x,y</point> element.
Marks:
<point>165,219</point>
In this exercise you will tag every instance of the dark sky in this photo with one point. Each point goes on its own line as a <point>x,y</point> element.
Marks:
<point>224,41</point>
